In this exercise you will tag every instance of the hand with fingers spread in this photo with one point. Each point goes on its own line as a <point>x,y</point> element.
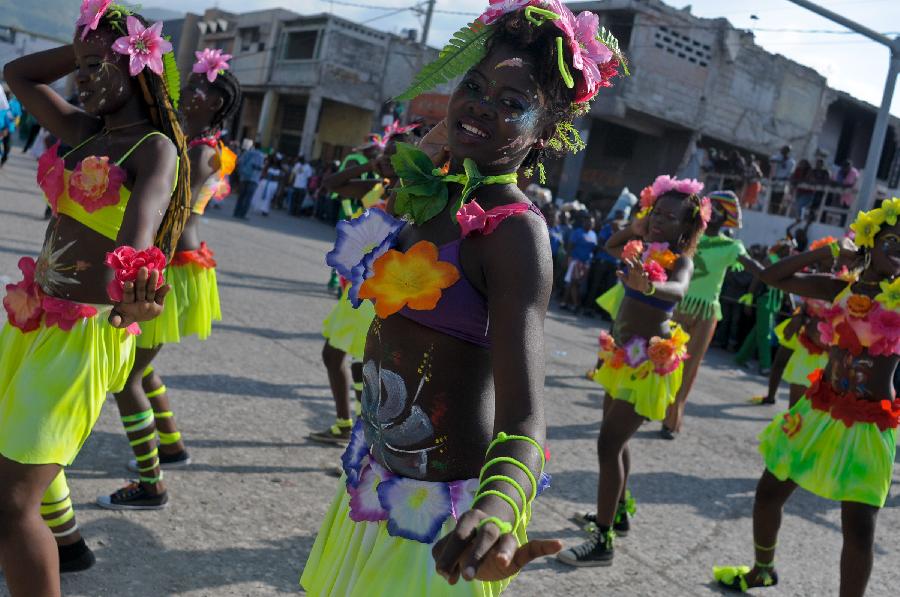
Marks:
<point>483,552</point>
<point>635,277</point>
<point>141,300</point>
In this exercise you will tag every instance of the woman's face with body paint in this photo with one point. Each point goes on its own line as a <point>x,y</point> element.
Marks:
<point>495,115</point>
<point>101,76</point>
<point>200,101</point>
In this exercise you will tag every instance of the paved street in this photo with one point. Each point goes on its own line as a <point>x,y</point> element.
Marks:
<point>243,518</point>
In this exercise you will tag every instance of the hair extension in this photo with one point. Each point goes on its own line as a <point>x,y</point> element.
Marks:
<point>228,86</point>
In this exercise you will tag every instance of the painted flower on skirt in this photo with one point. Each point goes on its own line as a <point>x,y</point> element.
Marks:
<point>356,452</point>
<point>414,279</point>
<point>418,509</point>
<point>633,249</point>
<point>365,505</point>
<point>95,183</point>
<point>792,424</point>
<point>360,242</point>
<point>588,53</point>
<point>64,314</point>
<point>51,175</point>
<point>890,294</point>
<point>635,351</point>
<point>865,227</point>
<point>144,46</point>
<point>23,299</point>
<point>126,262</point>
<point>91,13</point>
<point>211,62</point>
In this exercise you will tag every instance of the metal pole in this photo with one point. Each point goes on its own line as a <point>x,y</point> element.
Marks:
<point>866,197</point>
<point>427,27</point>
<point>867,186</point>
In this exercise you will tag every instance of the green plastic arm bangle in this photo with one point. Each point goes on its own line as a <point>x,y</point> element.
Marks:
<point>514,462</point>
<point>502,496</point>
<point>505,479</point>
<point>503,438</point>
<point>504,526</point>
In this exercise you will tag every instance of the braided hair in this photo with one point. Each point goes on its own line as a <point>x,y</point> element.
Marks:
<point>687,243</point>
<point>227,85</point>
<point>163,116</point>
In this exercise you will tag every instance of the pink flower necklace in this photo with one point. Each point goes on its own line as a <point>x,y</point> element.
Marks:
<point>208,139</point>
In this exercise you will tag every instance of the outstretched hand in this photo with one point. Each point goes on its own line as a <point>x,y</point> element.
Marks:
<point>485,553</point>
<point>141,300</point>
<point>635,278</point>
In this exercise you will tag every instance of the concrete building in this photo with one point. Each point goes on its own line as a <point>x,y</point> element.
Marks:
<point>314,85</point>
<point>698,78</point>
<point>15,43</point>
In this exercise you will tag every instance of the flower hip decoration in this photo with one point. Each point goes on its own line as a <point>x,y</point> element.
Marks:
<point>95,183</point>
<point>51,175</point>
<point>144,46</point>
<point>660,355</point>
<point>413,279</point>
<point>91,13</point>
<point>23,299</point>
<point>126,262</point>
<point>360,242</point>
<point>211,62</point>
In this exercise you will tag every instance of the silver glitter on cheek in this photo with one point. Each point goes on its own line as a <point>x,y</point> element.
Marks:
<point>102,102</point>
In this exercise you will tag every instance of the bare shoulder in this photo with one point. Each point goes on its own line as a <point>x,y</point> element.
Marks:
<point>156,153</point>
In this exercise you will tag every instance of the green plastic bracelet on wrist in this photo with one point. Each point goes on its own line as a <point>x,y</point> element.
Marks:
<point>505,479</point>
<point>503,438</point>
<point>835,249</point>
<point>514,462</point>
<point>512,503</point>
<point>504,526</point>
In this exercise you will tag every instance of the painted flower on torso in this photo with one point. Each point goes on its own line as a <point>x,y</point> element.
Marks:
<point>144,46</point>
<point>91,13</point>
<point>23,299</point>
<point>51,175</point>
<point>414,279</point>
<point>95,183</point>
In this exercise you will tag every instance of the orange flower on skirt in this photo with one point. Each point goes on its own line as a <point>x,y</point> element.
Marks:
<point>414,279</point>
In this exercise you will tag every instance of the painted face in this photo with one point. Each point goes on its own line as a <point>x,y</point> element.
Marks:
<point>200,101</point>
<point>668,220</point>
<point>495,115</point>
<point>101,76</point>
<point>886,252</point>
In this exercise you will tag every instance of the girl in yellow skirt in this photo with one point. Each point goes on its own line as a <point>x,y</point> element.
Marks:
<point>68,339</point>
<point>448,453</point>
<point>839,440</point>
<point>643,358</point>
<point>209,100</point>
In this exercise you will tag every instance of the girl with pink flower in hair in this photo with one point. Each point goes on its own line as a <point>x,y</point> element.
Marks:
<point>448,453</point>
<point>119,201</point>
<point>643,358</point>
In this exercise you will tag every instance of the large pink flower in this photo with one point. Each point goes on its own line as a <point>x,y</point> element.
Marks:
<point>95,183</point>
<point>474,220</point>
<point>588,53</point>
<point>211,62</point>
<point>23,300</point>
<point>64,314</point>
<point>143,45</point>
<point>91,13</point>
<point>655,271</point>
<point>51,175</point>
<point>126,261</point>
<point>498,8</point>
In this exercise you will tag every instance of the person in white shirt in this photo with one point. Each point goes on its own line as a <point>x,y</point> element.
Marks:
<point>301,173</point>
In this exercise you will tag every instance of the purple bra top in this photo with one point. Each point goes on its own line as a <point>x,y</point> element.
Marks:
<point>462,311</point>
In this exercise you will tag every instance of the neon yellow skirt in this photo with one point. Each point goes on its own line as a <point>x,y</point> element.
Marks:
<point>53,384</point>
<point>191,307</point>
<point>650,394</point>
<point>824,456</point>
<point>801,364</point>
<point>346,328</point>
<point>611,300</point>
<point>792,343</point>
<point>360,559</point>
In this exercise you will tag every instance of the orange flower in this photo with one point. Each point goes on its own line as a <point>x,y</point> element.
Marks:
<point>661,352</point>
<point>665,258</point>
<point>415,279</point>
<point>859,305</point>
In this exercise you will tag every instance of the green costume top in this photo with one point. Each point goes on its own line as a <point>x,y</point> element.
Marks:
<point>715,254</point>
<point>347,204</point>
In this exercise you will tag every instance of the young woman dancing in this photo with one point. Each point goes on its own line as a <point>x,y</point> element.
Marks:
<point>448,453</point>
<point>644,357</point>
<point>211,96</point>
<point>120,199</point>
<point>700,310</point>
<point>839,440</point>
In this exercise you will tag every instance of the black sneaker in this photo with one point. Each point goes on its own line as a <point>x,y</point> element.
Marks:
<point>167,462</point>
<point>621,524</point>
<point>596,551</point>
<point>75,557</point>
<point>133,497</point>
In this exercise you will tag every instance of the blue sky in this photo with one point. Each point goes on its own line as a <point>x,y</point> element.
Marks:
<point>849,61</point>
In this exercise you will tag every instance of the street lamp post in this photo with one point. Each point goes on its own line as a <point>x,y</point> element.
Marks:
<point>867,186</point>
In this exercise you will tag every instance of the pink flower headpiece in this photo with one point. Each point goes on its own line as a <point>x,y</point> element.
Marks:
<point>144,46</point>
<point>594,51</point>
<point>666,184</point>
<point>390,131</point>
<point>91,13</point>
<point>212,62</point>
